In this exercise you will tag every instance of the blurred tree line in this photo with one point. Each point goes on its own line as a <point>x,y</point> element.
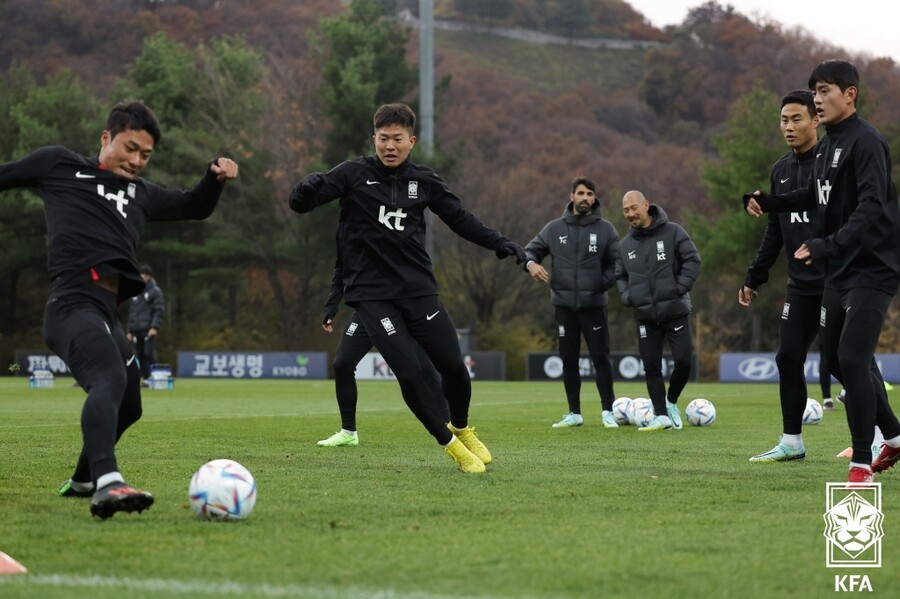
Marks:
<point>287,88</point>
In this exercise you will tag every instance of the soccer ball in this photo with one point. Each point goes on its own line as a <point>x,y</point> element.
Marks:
<point>641,404</point>
<point>638,405</point>
<point>629,410</point>
<point>620,410</point>
<point>643,415</point>
<point>813,412</point>
<point>700,412</point>
<point>222,490</point>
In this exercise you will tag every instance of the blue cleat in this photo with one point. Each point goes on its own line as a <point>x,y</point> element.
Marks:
<point>781,453</point>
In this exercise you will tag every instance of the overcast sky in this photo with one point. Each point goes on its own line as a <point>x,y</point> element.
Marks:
<point>869,26</point>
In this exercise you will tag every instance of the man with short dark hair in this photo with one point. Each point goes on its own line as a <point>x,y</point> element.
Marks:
<point>388,277</point>
<point>95,210</point>
<point>583,247</point>
<point>145,316</point>
<point>859,239</point>
<point>799,321</point>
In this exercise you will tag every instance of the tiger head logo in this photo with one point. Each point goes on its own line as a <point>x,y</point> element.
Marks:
<point>853,525</point>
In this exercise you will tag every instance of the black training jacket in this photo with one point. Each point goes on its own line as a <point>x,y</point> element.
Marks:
<point>147,309</point>
<point>656,269</point>
<point>857,205</point>
<point>584,250</point>
<point>790,230</point>
<point>382,226</point>
<point>95,217</point>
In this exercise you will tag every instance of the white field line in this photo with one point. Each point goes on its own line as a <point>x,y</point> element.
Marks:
<point>218,588</point>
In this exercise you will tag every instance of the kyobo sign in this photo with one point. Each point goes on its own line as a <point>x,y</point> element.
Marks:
<point>253,365</point>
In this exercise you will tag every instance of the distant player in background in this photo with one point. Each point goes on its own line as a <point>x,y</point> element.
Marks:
<point>95,209</point>
<point>583,246</point>
<point>145,317</point>
<point>388,276</point>
<point>799,322</point>
<point>657,267</point>
<point>355,343</point>
<point>859,239</point>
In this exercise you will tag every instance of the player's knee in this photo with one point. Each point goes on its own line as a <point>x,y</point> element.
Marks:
<point>786,360</point>
<point>853,362</point>
<point>111,380</point>
<point>682,365</point>
<point>129,413</point>
<point>412,374</point>
<point>343,369</point>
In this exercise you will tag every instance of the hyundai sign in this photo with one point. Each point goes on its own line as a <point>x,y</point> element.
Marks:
<point>761,367</point>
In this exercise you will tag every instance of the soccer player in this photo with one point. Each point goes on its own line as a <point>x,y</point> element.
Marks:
<point>657,266</point>
<point>388,277</point>
<point>95,209</point>
<point>799,321</point>
<point>859,240</point>
<point>583,247</point>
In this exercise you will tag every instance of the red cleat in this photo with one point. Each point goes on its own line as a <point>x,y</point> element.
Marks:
<point>859,475</point>
<point>887,458</point>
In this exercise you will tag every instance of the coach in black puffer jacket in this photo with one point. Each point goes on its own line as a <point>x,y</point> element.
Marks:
<point>656,269</point>
<point>583,247</point>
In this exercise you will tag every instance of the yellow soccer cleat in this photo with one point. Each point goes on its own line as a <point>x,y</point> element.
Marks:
<point>466,460</point>
<point>470,440</point>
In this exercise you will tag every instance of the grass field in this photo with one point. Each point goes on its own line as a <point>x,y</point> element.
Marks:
<point>561,513</point>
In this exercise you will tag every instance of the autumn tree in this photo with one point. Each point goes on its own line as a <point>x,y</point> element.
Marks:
<point>728,239</point>
<point>362,55</point>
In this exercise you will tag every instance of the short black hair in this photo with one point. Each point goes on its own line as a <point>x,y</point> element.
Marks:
<point>395,114</point>
<point>146,270</point>
<point>583,181</point>
<point>136,116</point>
<point>801,96</point>
<point>837,72</point>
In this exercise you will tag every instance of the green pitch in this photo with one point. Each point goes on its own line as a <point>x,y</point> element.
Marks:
<point>561,513</point>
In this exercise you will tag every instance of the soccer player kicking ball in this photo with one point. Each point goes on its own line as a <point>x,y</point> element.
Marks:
<point>95,210</point>
<point>387,271</point>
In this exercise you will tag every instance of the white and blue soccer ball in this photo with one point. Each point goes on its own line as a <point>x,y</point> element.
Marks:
<point>222,490</point>
<point>638,404</point>
<point>700,412</point>
<point>813,412</point>
<point>620,410</point>
<point>629,410</point>
<point>643,414</point>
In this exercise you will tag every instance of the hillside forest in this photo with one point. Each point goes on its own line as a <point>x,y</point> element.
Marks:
<point>688,115</point>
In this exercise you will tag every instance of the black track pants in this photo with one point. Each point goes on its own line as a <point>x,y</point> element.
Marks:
<point>82,327</point>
